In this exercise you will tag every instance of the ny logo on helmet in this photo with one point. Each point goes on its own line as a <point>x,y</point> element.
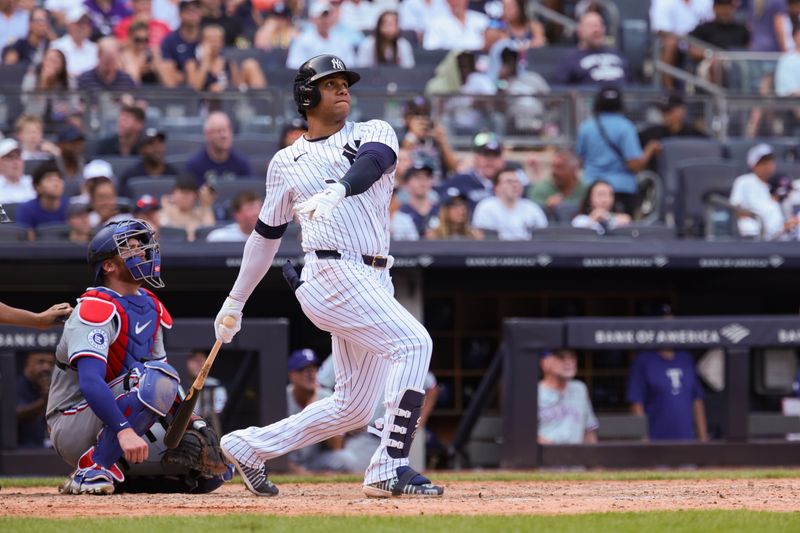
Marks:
<point>337,63</point>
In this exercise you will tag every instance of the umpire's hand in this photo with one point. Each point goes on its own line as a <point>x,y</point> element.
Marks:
<point>232,308</point>
<point>134,448</point>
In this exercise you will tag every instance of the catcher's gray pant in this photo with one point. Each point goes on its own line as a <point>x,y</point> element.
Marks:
<point>75,430</point>
<point>378,347</point>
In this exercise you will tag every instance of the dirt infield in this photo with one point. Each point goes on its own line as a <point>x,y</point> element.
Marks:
<point>466,498</point>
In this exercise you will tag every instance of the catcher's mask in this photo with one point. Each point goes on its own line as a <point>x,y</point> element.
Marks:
<point>142,261</point>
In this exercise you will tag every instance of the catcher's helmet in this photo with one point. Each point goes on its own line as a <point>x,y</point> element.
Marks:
<point>306,92</point>
<point>143,262</point>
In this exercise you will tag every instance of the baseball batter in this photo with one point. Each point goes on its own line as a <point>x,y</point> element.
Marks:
<point>338,178</point>
<point>113,390</point>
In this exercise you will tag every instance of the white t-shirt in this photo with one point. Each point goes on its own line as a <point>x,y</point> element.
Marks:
<point>79,58</point>
<point>447,33</point>
<point>678,17</point>
<point>415,14</point>
<point>402,227</point>
<point>14,27</point>
<point>750,193</point>
<point>510,224</point>
<point>14,193</point>
<point>310,43</point>
<point>230,233</point>
<point>787,74</point>
<point>362,16</point>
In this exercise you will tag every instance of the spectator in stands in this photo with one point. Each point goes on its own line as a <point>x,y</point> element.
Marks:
<point>29,130</point>
<point>218,160</point>
<point>566,415</point>
<point>246,206</point>
<point>401,225</point>
<point>458,29</point>
<point>33,387</point>
<point>769,23</point>
<point>212,397</point>
<point>787,73</point>
<point>148,208</point>
<point>13,22</point>
<point>597,210</point>
<point>72,147</point>
<point>152,151</point>
<point>180,45</point>
<point>453,220</point>
<point>29,49</point>
<point>49,77</point>
<point>724,32</point>
<point>79,51</point>
<point>102,195</point>
<point>361,15</point>
<point>515,25</point>
<point>761,215</point>
<point>156,30</point>
<point>49,206</point>
<point>292,130</point>
<point>671,20</point>
<point>783,190</point>
<point>673,123</point>
<point>303,390</point>
<point>80,227</point>
<point>108,74</point>
<point>130,126</point>
<point>214,14</point>
<point>319,39</point>
<point>609,147</point>
<point>415,14</point>
<point>524,111</point>
<point>278,30</point>
<point>386,46</point>
<point>140,60</point>
<point>106,15</point>
<point>563,186</point>
<point>15,185</point>
<point>507,212</point>
<point>189,206</point>
<point>211,71</point>
<point>592,62</point>
<point>421,202</point>
<point>426,138</point>
<point>476,183</point>
<point>664,386</point>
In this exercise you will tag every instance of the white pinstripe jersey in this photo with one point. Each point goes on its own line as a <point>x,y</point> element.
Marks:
<point>361,222</point>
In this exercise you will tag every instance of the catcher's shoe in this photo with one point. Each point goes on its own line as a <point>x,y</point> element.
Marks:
<point>255,479</point>
<point>407,482</point>
<point>95,480</point>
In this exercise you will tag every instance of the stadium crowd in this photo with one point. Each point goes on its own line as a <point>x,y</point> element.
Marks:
<point>61,177</point>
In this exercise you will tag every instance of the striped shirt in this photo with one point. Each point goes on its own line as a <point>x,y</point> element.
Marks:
<point>360,223</point>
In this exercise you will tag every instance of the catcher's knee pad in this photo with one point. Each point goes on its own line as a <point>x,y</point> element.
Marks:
<point>401,423</point>
<point>158,387</point>
<point>140,417</point>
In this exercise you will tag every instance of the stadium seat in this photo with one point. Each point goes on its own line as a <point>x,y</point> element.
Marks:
<point>547,60</point>
<point>255,145</point>
<point>227,189</point>
<point>120,163</point>
<point>697,179</point>
<point>155,186</point>
<point>258,165</point>
<point>184,144</point>
<point>11,210</point>
<point>52,232</point>
<point>674,152</point>
<point>171,234</point>
<point>201,233</point>
<point>564,212</point>
<point>788,169</point>
<point>13,233</point>
<point>564,233</point>
<point>32,164</point>
<point>644,232</point>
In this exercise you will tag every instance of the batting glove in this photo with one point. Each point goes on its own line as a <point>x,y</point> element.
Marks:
<point>231,308</point>
<point>321,205</point>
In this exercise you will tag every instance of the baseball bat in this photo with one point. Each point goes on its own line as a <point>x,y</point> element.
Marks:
<point>185,410</point>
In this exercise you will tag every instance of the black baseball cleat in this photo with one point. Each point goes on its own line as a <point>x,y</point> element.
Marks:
<point>407,482</point>
<point>255,479</point>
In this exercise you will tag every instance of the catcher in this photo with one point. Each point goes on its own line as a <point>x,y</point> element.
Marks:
<point>113,390</point>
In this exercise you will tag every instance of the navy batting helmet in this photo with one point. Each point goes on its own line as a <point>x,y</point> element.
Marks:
<point>306,92</point>
<point>143,262</point>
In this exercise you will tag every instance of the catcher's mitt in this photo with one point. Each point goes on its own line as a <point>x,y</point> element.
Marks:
<point>198,450</point>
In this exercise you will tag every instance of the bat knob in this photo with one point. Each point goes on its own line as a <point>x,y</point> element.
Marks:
<point>229,321</point>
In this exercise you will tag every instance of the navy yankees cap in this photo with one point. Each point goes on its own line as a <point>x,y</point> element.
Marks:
<point>300,359</point>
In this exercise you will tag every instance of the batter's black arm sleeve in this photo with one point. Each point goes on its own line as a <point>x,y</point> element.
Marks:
<point>372,160</point>
<point>270,232</point>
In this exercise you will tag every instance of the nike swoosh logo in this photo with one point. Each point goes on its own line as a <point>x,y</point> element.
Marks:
<point>299,156</point>
<point>139,328</point>
<point>122,424</point>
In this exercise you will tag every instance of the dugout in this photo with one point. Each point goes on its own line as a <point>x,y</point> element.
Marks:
<point>738,336</point>
<point>253,367</point>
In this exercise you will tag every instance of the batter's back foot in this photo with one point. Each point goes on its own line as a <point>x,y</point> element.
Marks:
<point>406,482</point>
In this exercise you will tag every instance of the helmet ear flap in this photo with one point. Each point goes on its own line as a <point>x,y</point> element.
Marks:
<point>309,95</point>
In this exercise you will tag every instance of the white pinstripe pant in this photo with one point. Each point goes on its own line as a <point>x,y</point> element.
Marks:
<point>378,346</point>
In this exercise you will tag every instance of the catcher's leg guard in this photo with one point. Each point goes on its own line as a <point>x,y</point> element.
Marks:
<point>400,423</point>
